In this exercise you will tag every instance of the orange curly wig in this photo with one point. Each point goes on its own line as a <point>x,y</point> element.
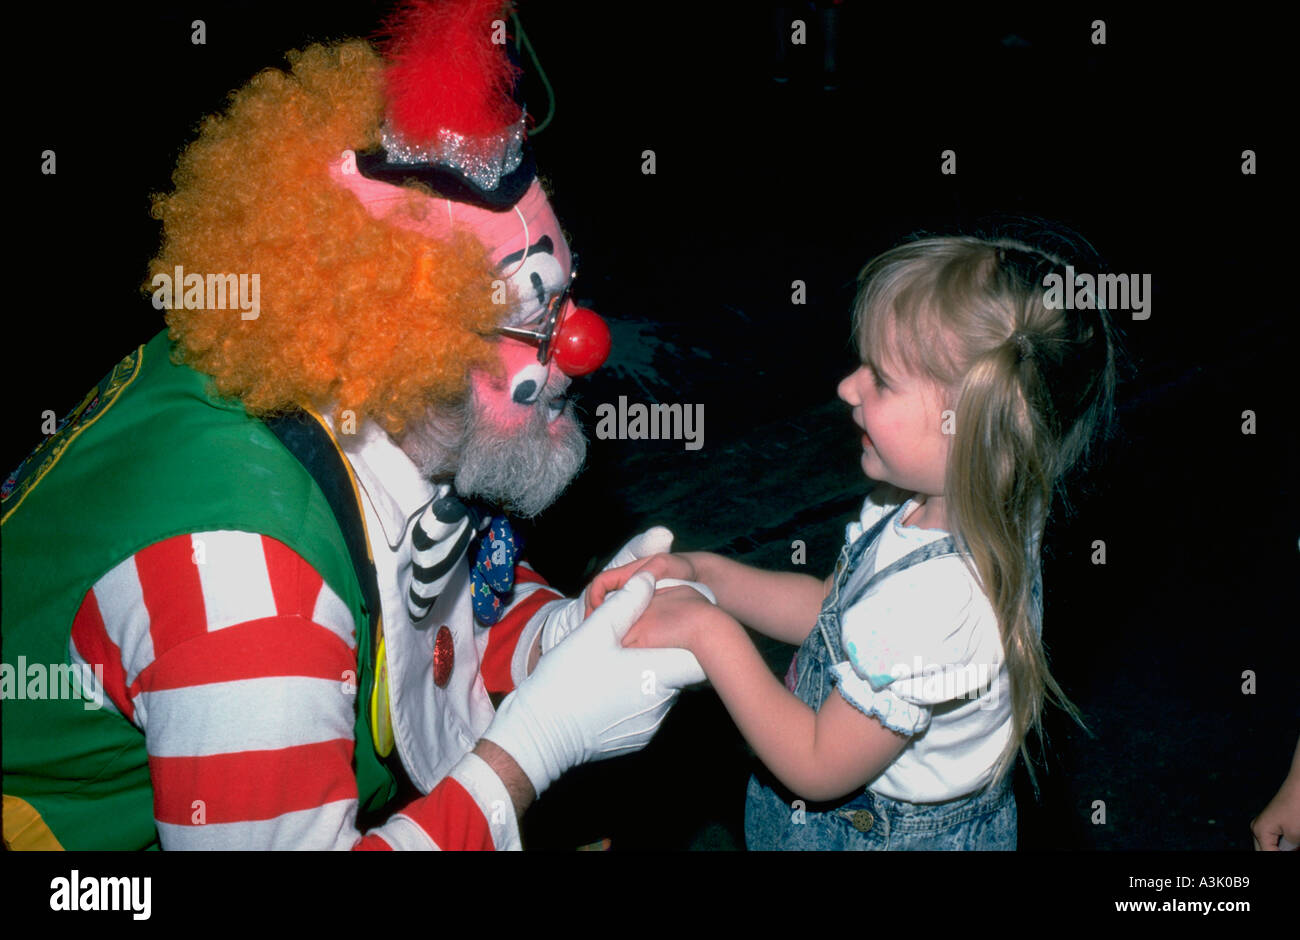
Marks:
<point>365,315</point>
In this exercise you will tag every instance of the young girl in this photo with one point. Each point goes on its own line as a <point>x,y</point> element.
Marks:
<point>921,668</point>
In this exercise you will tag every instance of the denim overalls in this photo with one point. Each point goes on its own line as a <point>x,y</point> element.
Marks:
<point>776,819</point>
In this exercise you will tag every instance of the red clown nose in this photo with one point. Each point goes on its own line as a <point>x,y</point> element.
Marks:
<point>583,343</point>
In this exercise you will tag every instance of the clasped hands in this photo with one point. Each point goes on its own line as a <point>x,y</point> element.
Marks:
<point>589,696</point>
<point>680,613</point>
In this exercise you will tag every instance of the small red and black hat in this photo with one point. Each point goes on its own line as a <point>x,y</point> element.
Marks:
<point>455,120</point>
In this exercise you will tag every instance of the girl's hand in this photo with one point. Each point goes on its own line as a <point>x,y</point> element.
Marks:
<point>676,617</point>
<point>661,566</point>
<point>1278,826</point>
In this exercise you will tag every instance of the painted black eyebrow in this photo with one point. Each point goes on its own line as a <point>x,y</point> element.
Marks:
<point>542,244</point>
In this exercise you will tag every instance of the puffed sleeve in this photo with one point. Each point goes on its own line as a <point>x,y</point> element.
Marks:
<point>925,636</point>
<point>883,499</point>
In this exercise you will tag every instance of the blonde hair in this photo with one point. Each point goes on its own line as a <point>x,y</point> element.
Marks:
<point>1031,388</point>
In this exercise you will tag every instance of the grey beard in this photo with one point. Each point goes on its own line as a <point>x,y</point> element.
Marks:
<point>522,472</point>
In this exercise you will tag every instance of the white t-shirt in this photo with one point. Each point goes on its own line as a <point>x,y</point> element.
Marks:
<point>925,657</point>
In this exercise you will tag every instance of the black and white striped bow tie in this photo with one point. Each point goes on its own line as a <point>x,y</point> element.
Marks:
<point>439,539</point>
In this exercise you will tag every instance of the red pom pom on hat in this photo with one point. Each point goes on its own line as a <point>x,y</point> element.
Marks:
<point>445,72</point>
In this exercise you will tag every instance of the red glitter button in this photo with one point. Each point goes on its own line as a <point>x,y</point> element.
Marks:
<point>444,657</point>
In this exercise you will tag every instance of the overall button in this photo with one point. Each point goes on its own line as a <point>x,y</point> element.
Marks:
<point>862,820</point>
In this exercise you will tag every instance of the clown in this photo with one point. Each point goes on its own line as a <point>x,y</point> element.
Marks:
<point>306,628</point>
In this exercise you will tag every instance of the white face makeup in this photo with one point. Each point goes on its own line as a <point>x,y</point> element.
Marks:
<point>514,441</point>
<point>539,278</point>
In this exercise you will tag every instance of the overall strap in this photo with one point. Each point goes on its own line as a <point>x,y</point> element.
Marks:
<point>305,435</point>
<point>852,554</point>
<point>307,440</point>
<point>940,548</point>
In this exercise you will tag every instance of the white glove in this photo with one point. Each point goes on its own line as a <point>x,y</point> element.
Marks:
<point>560,618</point>
<point>589,698</point>
<point>656,541</point>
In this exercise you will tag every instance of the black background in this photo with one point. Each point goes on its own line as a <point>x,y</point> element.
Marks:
<point>1138,144</point>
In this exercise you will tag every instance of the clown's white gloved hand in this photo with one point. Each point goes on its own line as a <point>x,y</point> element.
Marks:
<point>589,698</point>
<point>656,541</point>
<point>558,619</point>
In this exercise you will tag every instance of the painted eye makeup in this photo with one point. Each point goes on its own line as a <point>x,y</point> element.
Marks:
<point>546,324</point>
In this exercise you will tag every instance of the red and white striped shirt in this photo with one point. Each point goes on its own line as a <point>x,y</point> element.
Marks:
<point>239,664</point>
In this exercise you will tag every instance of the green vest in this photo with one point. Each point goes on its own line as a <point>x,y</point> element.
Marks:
<point>150,453</point>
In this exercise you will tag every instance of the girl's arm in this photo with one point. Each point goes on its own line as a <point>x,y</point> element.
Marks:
<point>779,604</point>
<point>818,755</point>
